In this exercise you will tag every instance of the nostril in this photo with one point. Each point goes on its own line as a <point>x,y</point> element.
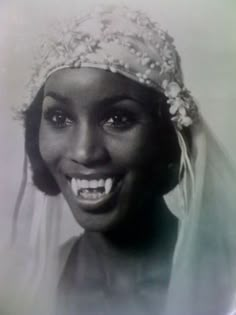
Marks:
<point>91,158</point>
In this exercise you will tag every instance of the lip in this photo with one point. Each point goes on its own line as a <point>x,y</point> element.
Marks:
<point>103,204</point>
<point>91,176</point>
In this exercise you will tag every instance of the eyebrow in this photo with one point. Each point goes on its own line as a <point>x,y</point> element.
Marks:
<point>105,101</point>
<point>58,97</point>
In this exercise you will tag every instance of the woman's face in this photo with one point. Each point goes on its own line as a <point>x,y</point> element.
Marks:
<point>99,138</point>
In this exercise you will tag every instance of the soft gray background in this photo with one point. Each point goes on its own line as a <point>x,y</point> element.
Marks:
<point>204,33</point>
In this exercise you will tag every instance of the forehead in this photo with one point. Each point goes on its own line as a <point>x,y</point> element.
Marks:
<point>95,83</point>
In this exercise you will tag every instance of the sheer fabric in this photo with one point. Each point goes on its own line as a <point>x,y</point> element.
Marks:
<point>204,268</point>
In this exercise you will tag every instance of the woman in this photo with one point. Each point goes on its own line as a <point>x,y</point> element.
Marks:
<point>114,129</point>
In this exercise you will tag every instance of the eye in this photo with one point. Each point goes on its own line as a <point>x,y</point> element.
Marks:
<point>120,119</point>
<point>58,117</point>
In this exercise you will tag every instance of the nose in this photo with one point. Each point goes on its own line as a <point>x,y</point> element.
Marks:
<point>87,146</point>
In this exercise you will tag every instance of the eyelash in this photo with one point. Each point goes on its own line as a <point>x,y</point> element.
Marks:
<point>58,117</point>
<point>116,119</point>
<point>119,119</point>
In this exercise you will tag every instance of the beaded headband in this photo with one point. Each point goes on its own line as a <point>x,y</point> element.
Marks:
<point>121,41</point>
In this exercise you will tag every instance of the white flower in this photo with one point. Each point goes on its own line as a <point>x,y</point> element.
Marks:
<point>185,121</point>
<point>172,90</point>
<point>176,105</point>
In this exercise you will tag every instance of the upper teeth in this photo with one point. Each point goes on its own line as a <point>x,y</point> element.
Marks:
<point>78,184</point>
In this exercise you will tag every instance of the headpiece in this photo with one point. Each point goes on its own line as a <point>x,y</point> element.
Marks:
<point>121,41</point>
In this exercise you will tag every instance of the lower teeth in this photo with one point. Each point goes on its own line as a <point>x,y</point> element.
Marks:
<point>90,195</point>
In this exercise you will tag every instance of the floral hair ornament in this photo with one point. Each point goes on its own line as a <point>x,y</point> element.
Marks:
<point>119,40</point>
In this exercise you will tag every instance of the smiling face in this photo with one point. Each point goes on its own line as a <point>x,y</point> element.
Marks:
<point>100,136</point>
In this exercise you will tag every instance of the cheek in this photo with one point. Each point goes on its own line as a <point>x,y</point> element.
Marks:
<point>51,145</point>
<point>135,148</point>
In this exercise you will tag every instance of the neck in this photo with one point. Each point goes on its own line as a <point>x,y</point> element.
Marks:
<point>153,229</point>
<point>135,252</point>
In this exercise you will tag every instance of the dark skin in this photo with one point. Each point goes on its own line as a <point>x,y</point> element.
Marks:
<point>95,126</point>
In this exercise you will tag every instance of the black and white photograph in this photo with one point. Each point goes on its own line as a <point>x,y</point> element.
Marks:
<point>118,154</point>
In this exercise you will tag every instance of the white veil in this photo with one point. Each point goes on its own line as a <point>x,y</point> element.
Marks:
<point>204,269</point>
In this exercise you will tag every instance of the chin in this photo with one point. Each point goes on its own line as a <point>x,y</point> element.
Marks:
<point>98,223</point>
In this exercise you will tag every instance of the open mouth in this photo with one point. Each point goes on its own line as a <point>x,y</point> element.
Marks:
<point>93,194</point>
<point>92,189</point>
